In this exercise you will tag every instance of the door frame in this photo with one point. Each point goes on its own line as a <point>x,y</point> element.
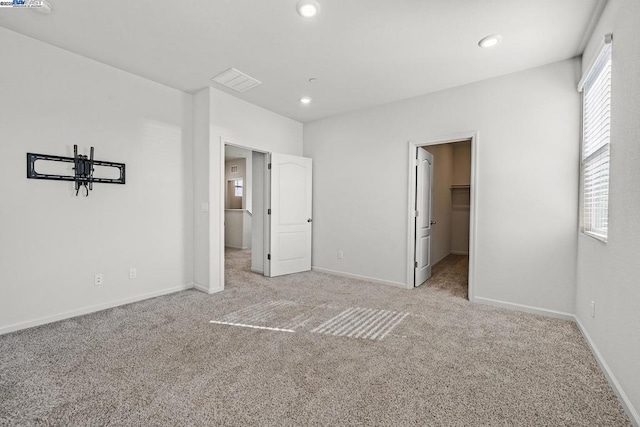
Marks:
<point>473,136</point>
<point>223,143</point>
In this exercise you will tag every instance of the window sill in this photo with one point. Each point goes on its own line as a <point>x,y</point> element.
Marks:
<point>598,237</point>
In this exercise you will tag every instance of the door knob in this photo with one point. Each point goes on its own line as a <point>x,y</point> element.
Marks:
<point>309,220</point>
<point>433,223</point>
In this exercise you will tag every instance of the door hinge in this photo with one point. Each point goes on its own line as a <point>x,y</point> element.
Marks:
<point>268,211</point>
<point>269,166</point>
<point>415,264</point>
<point>417,213</point>
<point>269,257</point>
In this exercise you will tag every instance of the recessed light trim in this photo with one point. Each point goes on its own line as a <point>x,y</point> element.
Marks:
<point>490,41</point>
<point>305,100</point>
<point>308,8</point>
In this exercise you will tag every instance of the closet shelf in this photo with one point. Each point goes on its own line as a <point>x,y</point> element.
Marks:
<point>460,187</point>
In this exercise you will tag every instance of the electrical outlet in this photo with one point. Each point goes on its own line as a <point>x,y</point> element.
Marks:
<point>98,279</point>
<point>340,255</point>
<point>133,273</point>
<point>593,309</point>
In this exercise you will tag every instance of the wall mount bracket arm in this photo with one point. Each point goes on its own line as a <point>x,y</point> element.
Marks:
<point>83,167</point>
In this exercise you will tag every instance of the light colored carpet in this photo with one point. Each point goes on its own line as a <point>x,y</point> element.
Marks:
<point>441,361</point>
<point>451,275</point>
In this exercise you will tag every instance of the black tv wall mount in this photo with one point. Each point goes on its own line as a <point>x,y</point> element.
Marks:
<point>83,167</point>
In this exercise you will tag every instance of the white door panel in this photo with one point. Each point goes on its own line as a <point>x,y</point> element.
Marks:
<point>292,184</point>
<point>425,249</point>
<point>424,181</point>
<point>292,246</point>
<point>290,235</point>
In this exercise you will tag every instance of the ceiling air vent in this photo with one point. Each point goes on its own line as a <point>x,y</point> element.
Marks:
<point>236,80</point>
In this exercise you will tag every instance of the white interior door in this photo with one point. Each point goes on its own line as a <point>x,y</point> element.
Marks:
<point>290,231</point>
<point>424,181</point>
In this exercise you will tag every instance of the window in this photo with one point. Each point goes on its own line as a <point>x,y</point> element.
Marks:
<point>596,114</point>
<point>238,188</point>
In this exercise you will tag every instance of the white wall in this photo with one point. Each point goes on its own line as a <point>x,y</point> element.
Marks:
<point>609,273</point>
<point>526,257</point>
<point>441,200</point>
<point>460,216</point>
<point>461,163</point>
<point>51,242</point>
<point>246,229</point>
<point>201,208</point>
<point>233,121</point>
<point>237,223</point>
<point>460,198</point>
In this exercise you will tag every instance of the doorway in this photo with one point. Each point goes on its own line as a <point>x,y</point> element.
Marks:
<point>245,209</point>
<point>267,212</point>
<point>442,206</point>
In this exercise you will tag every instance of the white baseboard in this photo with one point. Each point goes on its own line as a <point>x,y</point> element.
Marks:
<point>632,413</point>
<point>255,270</point>
<point>460,252</point>
<point>236,247</point>
<point>206,290</point>
<point>201,288</point>
<point>525,308</point>
<point>356,276</point>
<point>90,309</point>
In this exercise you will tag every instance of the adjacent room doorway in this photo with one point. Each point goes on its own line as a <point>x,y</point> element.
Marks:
<point>267,211</point>
<point>442,203</point>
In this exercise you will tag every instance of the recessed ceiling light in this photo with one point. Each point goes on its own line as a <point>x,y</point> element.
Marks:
<point>308,8</point>
<point>490,41</point>
<point>305,100</point>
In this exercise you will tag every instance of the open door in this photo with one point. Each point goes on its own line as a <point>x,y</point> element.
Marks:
<point>424,180</point>
<point>290,218</point>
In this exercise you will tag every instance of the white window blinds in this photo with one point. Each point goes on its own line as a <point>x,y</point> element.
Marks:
<point>596,113</point>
